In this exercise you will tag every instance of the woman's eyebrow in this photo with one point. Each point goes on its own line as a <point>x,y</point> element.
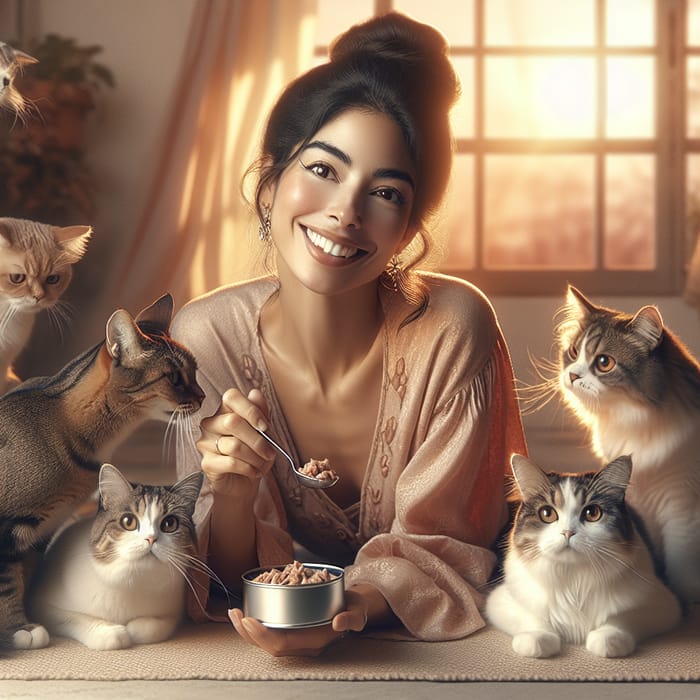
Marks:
<point>392,173</point>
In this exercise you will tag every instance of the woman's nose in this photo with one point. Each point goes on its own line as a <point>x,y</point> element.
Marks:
<point>345,209</point>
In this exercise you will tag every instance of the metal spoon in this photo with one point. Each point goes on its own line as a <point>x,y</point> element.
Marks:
<point>308,481</point>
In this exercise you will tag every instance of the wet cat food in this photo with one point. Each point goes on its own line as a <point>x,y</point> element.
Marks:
<point>294,574</point>
<point>318,469</point>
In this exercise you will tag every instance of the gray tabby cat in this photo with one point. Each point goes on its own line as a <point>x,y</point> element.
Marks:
<point>55,431</point>
<point>119,579</point>
<point>636,387</point>
<point>36,267</point>
<point>11,63</point>
<point>576,568</point>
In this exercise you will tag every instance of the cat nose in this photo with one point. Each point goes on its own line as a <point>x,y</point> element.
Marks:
<point>573,377</point>
<point>568,534</point>
<point>150,539</point>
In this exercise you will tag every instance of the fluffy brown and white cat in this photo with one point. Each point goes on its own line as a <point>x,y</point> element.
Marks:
<point>11,63</point>
<point>55,432</point>
<point>36,267</point>
<point>119,579</point>
<point>576,568</point>
<point>636,387</point>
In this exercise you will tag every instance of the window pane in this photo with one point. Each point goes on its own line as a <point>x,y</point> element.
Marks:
<point>693,109</point>
<point>693,22</point>
<point>454,18</point>
<point>630,213</point>
<point>335,17</point>
<point>458,216</point>
<point>540,22</point>
<point>539,212</point>
<point>540,97</point>
<point>463,112</point>
<point>630,22</point>
<point>630,97</point>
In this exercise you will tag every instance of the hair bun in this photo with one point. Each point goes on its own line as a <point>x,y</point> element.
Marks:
<point>418,51</point>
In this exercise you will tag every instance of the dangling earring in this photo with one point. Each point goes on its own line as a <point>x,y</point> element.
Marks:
<point>395,272</point>
<point>264,228</point>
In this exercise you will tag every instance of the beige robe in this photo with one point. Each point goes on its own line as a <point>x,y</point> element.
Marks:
<point>433,497</point>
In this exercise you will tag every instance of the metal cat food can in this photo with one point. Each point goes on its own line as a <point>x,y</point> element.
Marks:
<point>289,606</point>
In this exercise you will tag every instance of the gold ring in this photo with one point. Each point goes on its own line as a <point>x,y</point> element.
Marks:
<point>216,446</point>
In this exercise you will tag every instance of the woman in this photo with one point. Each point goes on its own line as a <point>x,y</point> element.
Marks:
<point>402,379</point>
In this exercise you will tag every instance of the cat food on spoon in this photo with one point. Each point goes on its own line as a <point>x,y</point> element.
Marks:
<point>319,469</point>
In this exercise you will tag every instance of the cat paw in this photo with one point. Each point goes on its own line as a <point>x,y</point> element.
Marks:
<point>539,645</point>
<point>106,636</point>
<point>31,637</point>
<point>610,642</point>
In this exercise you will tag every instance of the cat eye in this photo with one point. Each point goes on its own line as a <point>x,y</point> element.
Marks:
<point>604,363</point>
<point>547,514</point>
<point>592,513</point>
<point>17,277</point>
<point>5,82</point>
<point>175,378</point>
<point>53,279</point>
<point>129,522</point>
<point>169,524</point>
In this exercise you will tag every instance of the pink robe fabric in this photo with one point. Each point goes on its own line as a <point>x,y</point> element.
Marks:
<point>433,498</point>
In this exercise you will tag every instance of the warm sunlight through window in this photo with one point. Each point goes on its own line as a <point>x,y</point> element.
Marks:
<point>568,138</point>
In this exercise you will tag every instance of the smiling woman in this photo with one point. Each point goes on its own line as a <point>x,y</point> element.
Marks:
<point>399,377</point>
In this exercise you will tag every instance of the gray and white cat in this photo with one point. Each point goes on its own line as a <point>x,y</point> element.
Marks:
<point>36,267</point>
<point>636,387</point>
<point>11,63</point>
<point>119,579</point>
<point>55,432</point>
<point>576,568</point>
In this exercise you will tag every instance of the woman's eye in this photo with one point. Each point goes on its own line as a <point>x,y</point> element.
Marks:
<point>592,513</point>
<point>169,524</point>
<point>17,277</point>
<point>390,194</point>
<point>129,521</point>
<point>547,514</point>
<point>319,169</point>
<point>604,363</point>
<point>573,352</point>
<point>53,279</point>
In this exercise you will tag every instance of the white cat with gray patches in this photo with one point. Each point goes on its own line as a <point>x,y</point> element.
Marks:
<point>36,267</point>
<point>576,568</point>
<point>636,388</point>
<point>119,579</point>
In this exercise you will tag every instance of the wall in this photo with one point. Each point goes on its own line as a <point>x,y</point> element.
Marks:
<point>142,42</point>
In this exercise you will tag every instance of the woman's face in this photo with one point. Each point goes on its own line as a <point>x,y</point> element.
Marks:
<point>343,207</point>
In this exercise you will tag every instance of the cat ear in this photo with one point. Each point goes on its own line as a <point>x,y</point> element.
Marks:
<point>648,323</point>
<point>24,59</point>
<point>189,488</point>
<point>73,241</point>
<point>157,315</point>
<point>530,478</point>
<point>123,338</point>
<point>113,485</point>
<point>617,474</point>
<point>576,300</point>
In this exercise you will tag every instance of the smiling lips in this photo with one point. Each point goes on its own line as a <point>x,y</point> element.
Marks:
<point>330,247</point>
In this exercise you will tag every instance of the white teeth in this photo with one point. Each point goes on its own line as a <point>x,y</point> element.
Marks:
<point>329,247</point>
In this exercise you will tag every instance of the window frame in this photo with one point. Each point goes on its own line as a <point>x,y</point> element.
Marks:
<point>673,241</point>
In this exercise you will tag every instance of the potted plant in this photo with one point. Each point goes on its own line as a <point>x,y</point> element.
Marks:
<point>41,160</point>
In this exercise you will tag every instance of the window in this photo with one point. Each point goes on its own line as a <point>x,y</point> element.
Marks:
<point>573,161</point>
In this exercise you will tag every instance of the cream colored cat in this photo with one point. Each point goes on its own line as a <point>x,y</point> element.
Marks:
<point>36,267</point>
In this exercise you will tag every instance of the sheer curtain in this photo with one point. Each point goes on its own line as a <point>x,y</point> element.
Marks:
<point>196,232</point>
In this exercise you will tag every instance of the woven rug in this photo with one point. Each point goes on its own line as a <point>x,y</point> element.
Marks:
<point>215,652</point>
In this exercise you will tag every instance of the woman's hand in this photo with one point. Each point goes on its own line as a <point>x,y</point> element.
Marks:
<point>303,642</point>
<point>234,455</point>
